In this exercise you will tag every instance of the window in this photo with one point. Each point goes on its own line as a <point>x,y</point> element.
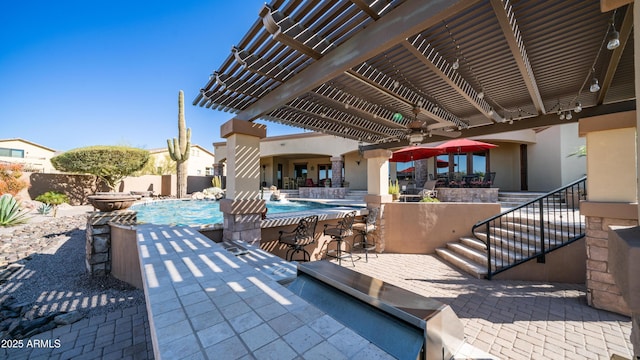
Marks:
<point>209,171</point>
<point>16,153</point>
<point>324,171</point>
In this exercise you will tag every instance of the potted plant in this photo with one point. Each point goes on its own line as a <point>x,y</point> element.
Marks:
<point>394,189</point>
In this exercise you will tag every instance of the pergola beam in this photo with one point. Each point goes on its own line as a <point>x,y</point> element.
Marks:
<point>427,54</point>
<point>530,123</point>
<point>387,86</point>
<point>625,31</point>
<point>507,20</point>
<point>406,20</point>
<point>370,111</point>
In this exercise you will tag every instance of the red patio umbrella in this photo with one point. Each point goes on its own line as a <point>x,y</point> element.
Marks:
<point>457,146</point>
<point>408,170</point>
<point>464,146</point>
<point>442,163</point>
<point>412,153</point>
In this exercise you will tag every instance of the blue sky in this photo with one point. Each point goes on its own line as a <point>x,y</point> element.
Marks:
<point>81,73</point>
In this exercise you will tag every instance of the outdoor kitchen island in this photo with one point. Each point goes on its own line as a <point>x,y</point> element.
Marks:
<point>204,301</point>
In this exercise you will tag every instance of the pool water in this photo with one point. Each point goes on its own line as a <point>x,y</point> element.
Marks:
<point>204,212</point>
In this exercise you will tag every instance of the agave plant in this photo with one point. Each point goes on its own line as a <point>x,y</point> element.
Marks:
<point>44,209</point>
<point>10,211</point>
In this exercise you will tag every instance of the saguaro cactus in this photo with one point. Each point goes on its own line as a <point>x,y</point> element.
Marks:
<point>180,148</point>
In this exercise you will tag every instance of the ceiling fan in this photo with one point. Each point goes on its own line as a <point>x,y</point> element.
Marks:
<point>417,130</point>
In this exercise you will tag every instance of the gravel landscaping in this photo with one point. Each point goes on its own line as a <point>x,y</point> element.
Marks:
<point>43,276</point>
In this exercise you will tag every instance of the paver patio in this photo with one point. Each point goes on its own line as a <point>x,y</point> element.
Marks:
<point>511,319</point>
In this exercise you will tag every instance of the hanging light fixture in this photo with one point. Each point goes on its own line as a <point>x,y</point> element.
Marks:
<point>614,37</point>
<point>456,64</point>
<point>481,94</point>
<point>578,108</point>
<point>569,116</point>
<point>595,87</point>
<point>614,40</point>
<point>561,116</point>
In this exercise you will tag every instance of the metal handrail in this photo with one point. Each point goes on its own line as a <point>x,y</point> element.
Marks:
<point>533,229</point>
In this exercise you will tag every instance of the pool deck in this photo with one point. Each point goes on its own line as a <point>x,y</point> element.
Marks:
<point>507,319</point>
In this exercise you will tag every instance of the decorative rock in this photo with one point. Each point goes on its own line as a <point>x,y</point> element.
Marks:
<point>68,318</point>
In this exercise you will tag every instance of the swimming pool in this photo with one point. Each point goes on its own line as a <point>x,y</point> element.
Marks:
<point>204,212</point>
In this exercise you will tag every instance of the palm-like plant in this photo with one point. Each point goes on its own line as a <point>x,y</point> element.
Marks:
<point>10,211</point>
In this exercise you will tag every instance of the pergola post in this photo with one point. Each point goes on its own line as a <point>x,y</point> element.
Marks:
<point>242,208</point>
<point>378,189</point>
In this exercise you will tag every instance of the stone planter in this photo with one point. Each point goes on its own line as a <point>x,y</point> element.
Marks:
<point>106,202</point>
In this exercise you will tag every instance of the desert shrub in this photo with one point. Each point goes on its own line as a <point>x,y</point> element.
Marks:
<point>109,163</point>
<point>53,198</point>
<point>10,211</point>
<point>10,182</point>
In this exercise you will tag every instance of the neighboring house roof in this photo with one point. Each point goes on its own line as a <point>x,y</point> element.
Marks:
<point>28,142</point>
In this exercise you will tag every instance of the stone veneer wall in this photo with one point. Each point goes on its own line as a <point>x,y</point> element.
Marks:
<point>602,292</point>
<point>242,227</point>
<point>98,243</point>
<point>377,235</point>
<point>474,195</point>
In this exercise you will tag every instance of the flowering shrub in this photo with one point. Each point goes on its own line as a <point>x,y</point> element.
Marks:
<point>10,182</point>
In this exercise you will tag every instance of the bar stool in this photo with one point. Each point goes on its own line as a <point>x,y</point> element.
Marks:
<point>301,236</point>
<point>343,229</point>
<point>362,229</point>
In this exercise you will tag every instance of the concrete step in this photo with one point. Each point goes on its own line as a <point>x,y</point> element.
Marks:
<point>477,270</point>
<point>473,243</point>
<point>477,256</point>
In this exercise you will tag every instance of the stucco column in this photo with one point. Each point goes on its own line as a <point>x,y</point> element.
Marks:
<point>242,209</point>
<point>337,163</point>
<point>378,190</point>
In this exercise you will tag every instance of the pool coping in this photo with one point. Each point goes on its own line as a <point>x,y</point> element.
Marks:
<point>342,206</point>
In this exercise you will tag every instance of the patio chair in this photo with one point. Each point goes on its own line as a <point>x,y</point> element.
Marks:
<point>338,232</point>
<point>488,179</point>
<point>362,229</point>
<point>429,189</point>
<point>301,236</point>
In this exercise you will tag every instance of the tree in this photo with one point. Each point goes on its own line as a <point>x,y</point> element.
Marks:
<point>180,148</point>
<point>109,163</point>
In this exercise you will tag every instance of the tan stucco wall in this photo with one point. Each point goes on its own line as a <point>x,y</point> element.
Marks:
<point>550,165</point>
<point>308,148</point>
<point>505,161</point>
<point>565,265</point>
<point>611,165</point>
<point>420,228</point>
<point>306,144</point>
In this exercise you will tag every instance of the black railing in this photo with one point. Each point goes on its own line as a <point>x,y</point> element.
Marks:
<point>533,229</point>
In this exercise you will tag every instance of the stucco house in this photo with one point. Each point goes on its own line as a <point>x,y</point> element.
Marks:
<point>200,162</point>
<point>34,157</point>
<point>533,159</point>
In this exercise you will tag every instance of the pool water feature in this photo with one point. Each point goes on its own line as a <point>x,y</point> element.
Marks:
<point>205,212</point>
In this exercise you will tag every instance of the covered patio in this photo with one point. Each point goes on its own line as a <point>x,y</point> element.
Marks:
<point>397,73</point>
